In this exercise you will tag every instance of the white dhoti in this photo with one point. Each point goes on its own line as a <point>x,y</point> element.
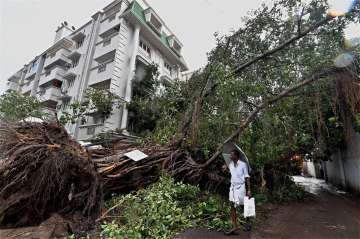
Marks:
<point>237,194</point>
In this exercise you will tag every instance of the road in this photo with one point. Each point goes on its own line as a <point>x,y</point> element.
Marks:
<point>325,213</point>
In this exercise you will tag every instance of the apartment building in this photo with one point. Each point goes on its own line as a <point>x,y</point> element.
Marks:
<point>107,52</point>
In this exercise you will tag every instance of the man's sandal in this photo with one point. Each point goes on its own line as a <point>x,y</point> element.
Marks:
<point>232,232</point>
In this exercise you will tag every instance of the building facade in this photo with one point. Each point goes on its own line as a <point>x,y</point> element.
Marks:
<point>107,52</point>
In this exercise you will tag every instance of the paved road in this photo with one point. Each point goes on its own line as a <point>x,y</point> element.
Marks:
<point>323,214</point>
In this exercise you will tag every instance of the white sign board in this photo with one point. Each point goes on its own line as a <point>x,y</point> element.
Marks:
<point>136,155</point>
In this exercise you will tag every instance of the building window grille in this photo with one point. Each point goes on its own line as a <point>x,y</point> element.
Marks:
<point>107,42</point>
<point>80,43</point>
<point>71,83</point>
<point>102,68</point>
<point>75,63</point>
<point>90,130</point>
<point>65,105</point>
<point>52,55</point>
<point>32,66</point>
<point>167,66</point>
<point>145,47</point>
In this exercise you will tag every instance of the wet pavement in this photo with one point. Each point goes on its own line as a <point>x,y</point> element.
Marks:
<point>316,186</point>
<point>324,213</point>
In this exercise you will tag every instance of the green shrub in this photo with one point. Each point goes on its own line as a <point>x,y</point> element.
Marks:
<point>163,209</point>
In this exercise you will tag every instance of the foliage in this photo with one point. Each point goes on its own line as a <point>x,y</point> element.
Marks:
<point>156,106</point>
<point>143,111</point>
<point>301,124</point>
<point>75,111</point>
<point>98,102</point>
<point>14,107</point>
<point>164,209</point>
<point>146,87</point>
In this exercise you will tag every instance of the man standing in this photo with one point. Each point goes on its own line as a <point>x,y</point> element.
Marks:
<point>240,187</point>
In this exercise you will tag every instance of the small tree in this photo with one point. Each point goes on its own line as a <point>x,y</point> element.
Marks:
<point>15,107</point>
<point>98,101</point>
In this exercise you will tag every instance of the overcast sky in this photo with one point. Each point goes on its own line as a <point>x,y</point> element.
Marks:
<point>27,27</point>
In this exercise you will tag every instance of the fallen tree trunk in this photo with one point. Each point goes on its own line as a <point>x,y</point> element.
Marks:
<point>46,172</point>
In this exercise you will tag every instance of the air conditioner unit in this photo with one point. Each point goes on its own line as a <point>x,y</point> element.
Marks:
<point>64,91</point>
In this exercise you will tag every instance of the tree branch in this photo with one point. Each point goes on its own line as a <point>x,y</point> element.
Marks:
<point>282,46</point>
<point>264,105</point>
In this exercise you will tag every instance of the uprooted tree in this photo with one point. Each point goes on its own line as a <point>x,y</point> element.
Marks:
<point>266,86</point>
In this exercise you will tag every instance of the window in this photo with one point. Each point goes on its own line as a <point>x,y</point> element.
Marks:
<point>107,42</point>
<point>52,55</point>
<point>32,66</point>
<point>97,119</point>
<point>102,68</point>
<point>83,121</point>
<point>111,18</point>
<point>80,43</point>
<point>90,130</point>
<point>167,66</point>
<point>145,47</point>
<point>47,73</point>
<point>153,20</point>
<point>75,62</point>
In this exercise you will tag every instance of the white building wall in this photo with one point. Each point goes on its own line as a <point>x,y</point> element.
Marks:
<point>93,51</point>
<point>344,168</point>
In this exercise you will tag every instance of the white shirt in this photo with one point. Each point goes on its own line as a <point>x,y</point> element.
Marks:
<point>239,172</point>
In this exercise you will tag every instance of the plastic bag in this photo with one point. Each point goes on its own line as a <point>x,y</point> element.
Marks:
<point>249,207</point>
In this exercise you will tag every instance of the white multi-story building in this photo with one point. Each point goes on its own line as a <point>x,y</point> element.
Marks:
<point>106,52</point>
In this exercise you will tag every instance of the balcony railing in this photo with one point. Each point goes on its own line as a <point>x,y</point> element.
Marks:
<point>144,54</point>
<point>27,87</point>
<point>97,76</point>
<point>60,58</point>
<point>109,23</point>
<point>12,86</point>
<point>105,47</point>
<point>51,93</point>
<point>56,73</point>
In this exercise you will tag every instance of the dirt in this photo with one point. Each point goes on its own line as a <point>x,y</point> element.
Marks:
<point>325,214</point>
<point>322,216</point>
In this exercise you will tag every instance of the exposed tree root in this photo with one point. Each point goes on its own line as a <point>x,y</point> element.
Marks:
<point>45,172</point>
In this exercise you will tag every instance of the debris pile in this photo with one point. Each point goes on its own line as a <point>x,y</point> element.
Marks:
<point>46,173</point>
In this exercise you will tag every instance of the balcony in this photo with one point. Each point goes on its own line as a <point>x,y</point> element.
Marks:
<point>16,77</point>
<point>97,75</point>
<point>153,20</point>
<point>50,94</point>
<point>27,87</point>
<point>104,47</point>
<point>89,131</point>
<point>75,54</point>
<point>144,54</point>
<point>70,74</point>
<point>31,73</point>
<point>55,74</point>
<point>108,24</point>
<point>59,58</point>
<point>175,44</point>
<point>12,86</point>
<point>79,36</point>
